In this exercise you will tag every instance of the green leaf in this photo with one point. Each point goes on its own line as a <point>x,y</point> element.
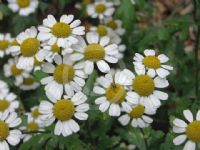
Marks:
<point>90,82</point>
<point>5,11</point>
<point>39,74</point>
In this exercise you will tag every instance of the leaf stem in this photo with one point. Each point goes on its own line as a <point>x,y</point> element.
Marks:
<point>145,140</point>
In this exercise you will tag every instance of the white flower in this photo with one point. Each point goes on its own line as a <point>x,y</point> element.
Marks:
<point>23,7</point>
<point>29,83</point>
<point>8,102</point>
<point>103,30</point>
<point>115,25</point>
<point>127,147</point>
<point>11,70</point>
<point>145,90</point>
<point>65,75</point>
<point>117,2</point>
<point>63,33</point>
<point>3,88</point>
<point>8,135</point>
<point>189,130</point>
<point>97,51</point>
<point>112,91</point>
<point>100,9</point>
<point>35,114</point>
<point>32,126</point>
<point>152,63</point>
<point>50,51</point>
<point>29,48</point>
<point>139,116</point>
<point>62,111</point>
<point>5,41</point>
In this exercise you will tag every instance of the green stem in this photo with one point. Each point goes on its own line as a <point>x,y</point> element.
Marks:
<point>145,139</point>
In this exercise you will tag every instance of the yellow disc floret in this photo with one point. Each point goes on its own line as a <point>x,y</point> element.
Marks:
<point>4,104</point>
<point>143,85</point>
<point>101,29</point>
<point>15,71</point>
<point>193,131</point>
<point>28,81</point>
<point>55,48</point>
<point>32,126</point>
<point>23,3</point>
<point>112,24</point>
<point>116,93</point>
<point>100,8</point>
<point>64,73</point>
<point>152,62</point>
<point>63,109</point>
<point>61,30</point>
<point>14,43</point>
<point>35,113</point>
<point>94,52</point>
<point>4,130</point>
<point>137,111</point>
<point>3,45</point>
<point>30,47</point>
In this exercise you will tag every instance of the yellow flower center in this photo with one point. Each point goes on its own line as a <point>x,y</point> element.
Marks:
<point>151,62</point>
<point>112,24</point>
<point>15,71</point>
<point>100,8</point>
<point>28,81</point>
<point>116,93</point>
<point>23,3</point>
<point>143,85</point>
<point>55,48</point>
<point>101,29</point>
<point>4,130</point>
<point>94,52</point>
<point>63,109</point>
<point>14,43</point>
<point>137,111</point>
<point>3,45</point>
<point>61,30</point>
<point>35,113</point>
<point>30,47</point>
<point>4,104</point>
<point>33,126</point>
<point>36,62</point>
<point>193,131</point>
<point>64,73</point>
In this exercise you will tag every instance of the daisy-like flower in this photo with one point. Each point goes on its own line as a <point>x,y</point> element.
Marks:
<point>113,92</point>
<point>62,33</point>
<point>102,30</point>
<point>145,90</point>
<point>152,63</point>
<point>62,111</point>
<point>35,114</point>
<point>115,25</point>
<point>127,147</point>
<point>139,116</point>
<point>5,40</point>
<point>29,48</point>
<point>11,70</point>
<point>65,75</point>
<point>3,88</point>
<point>8,102</point>
<point>189,129</point>
<point>23,7</point>
<point>96,51</point>
<point>32,126</point>
<point>100,9</point>
<point>8,135</point>
<point>50,51</point>
<point>29,83</point>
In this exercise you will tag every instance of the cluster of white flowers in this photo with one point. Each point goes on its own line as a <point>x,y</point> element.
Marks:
<point>68,55</point>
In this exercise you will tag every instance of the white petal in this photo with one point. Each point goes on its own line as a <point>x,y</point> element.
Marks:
<point>189,145</point>
<point>114,110</point>
<point>179,123</point>
<point>179,139</point>
<point>188,115</point>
